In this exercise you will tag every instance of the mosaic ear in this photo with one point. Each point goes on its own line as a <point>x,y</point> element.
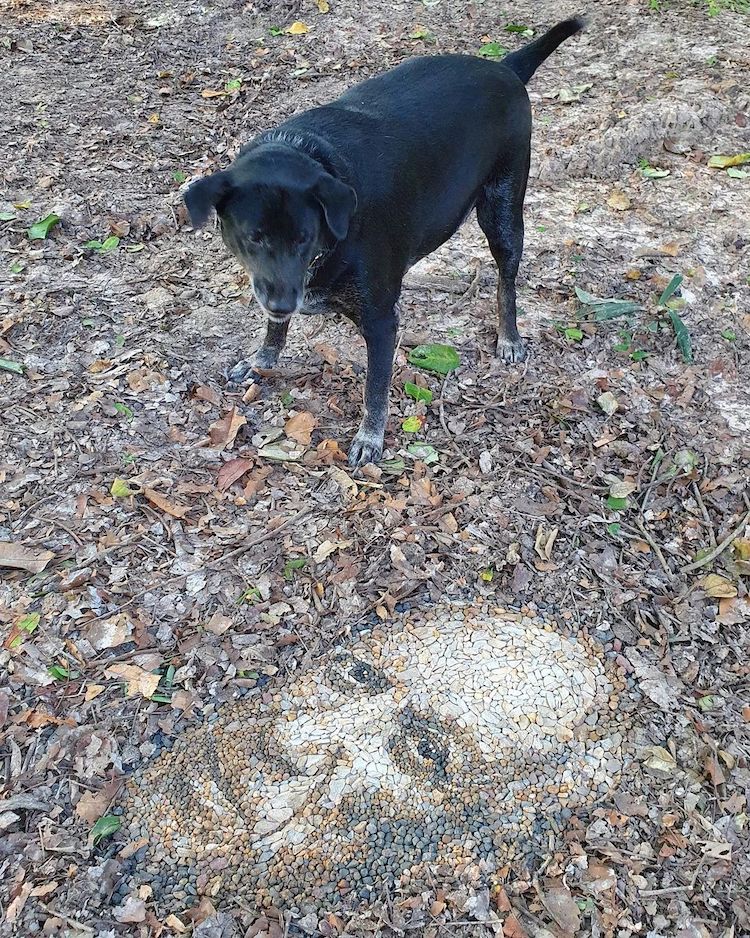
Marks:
<point>205,194</point>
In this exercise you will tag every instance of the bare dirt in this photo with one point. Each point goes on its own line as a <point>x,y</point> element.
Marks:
<point>141,608</point>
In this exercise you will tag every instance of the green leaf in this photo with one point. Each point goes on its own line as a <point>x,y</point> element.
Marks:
<point>179,176</point>
<point>707,703</point>
<point>423,451</point>
<point>614,528</point>
<point>487,574</point>
<point>735,173</point>
<point>105,827</point>
<point>60,673</point>
<point>670,289</point>
<point>684,342</point>
<point>730,335</point>
<point>574,333</point>
<point>525,31</point>
<point>124,410</point>
<point>251,595</point>
<point>234,84</point>
<point>439,358</point>
<point>492,50</point>
<point>134,248</point>
<point>393,467</point>
<point>419,394</point>
<point>617,504</point>
<point>606,308</point>
<point>17,267</point>
<point>40,229</point>
<point>721,162</point>
<point>7,365</point>
<point>291,565</point>
<point>102,247</point>
<point>650,172</point>
<point>412,424</point>
<point>28,623</point>
<point>120,489</point>
<point>286,398</point>
<point>7,216</point>
<point>22,205</point>
<point>276,31</point>
<point>639,355</point>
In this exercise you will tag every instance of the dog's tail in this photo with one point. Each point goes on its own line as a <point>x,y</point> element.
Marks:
<point>527,60</point>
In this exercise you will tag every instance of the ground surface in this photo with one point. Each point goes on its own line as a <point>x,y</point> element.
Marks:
<point>157,606</point>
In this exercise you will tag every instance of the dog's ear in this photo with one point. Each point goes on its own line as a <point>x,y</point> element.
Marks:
<point>205,194</point>
<point>338,201</point>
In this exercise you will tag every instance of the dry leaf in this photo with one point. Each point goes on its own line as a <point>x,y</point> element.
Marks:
<point>218,624</point>
<point>213,93</point>
<point>138,681</point>
<point>108,633</point>
<point>132,910</point>
<point>224,431</point>
<point>607,402</point>
<point>327,548</point>
<point>93,690</point>
<point>156,498</point>
<point>92,805</point>
<point>563,909</point>
<point>300,427</point>
<point>231,471</point>
<point>619,200</point>
<point>741,547</point>
<point>297,29</point>
<point>718,586</point>
<point>132,847</point>
<point>323,6</point>
<point>204,393</point>
<point>659,759</point>
<point>175,924</point>
<point>23,558</point>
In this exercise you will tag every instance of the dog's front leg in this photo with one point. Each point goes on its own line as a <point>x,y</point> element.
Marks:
<point>380,336</point>
<point>268,354</point>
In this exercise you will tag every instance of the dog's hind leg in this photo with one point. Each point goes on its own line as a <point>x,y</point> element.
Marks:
<point>268,354</point>
<point>500,216</point>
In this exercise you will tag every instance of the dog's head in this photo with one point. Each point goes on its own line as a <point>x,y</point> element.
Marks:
<point>278,208</point>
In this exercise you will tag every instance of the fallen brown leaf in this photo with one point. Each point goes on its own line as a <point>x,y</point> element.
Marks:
<point>156,498</point>
<point>23,558</point>
<point>300,427</point>
<point>92,805</point>
<point>224,431</point>
<point>138,681</point>
<point>231,471</point>
<point>619,200</point>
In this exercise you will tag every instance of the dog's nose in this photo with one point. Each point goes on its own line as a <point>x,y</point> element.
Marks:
<point>284,305</point>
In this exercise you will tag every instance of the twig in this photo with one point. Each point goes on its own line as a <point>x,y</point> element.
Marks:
<point>248,545</point>
<point>444,423</point>
<point>719,549</point>
<point>654,547</point>
<point>704,511</point>
<point>73,923</point>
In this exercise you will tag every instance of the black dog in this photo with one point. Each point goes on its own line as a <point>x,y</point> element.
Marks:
<point>329,211</point>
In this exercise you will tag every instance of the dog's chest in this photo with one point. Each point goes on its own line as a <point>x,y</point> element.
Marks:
<point>342,300</point>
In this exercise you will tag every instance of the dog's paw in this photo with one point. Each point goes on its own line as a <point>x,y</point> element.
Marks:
<point>510,350</point>
<point>243,372</point>
<point>366,447</point>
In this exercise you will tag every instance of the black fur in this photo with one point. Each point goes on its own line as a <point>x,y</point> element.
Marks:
<point>336,204</point>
